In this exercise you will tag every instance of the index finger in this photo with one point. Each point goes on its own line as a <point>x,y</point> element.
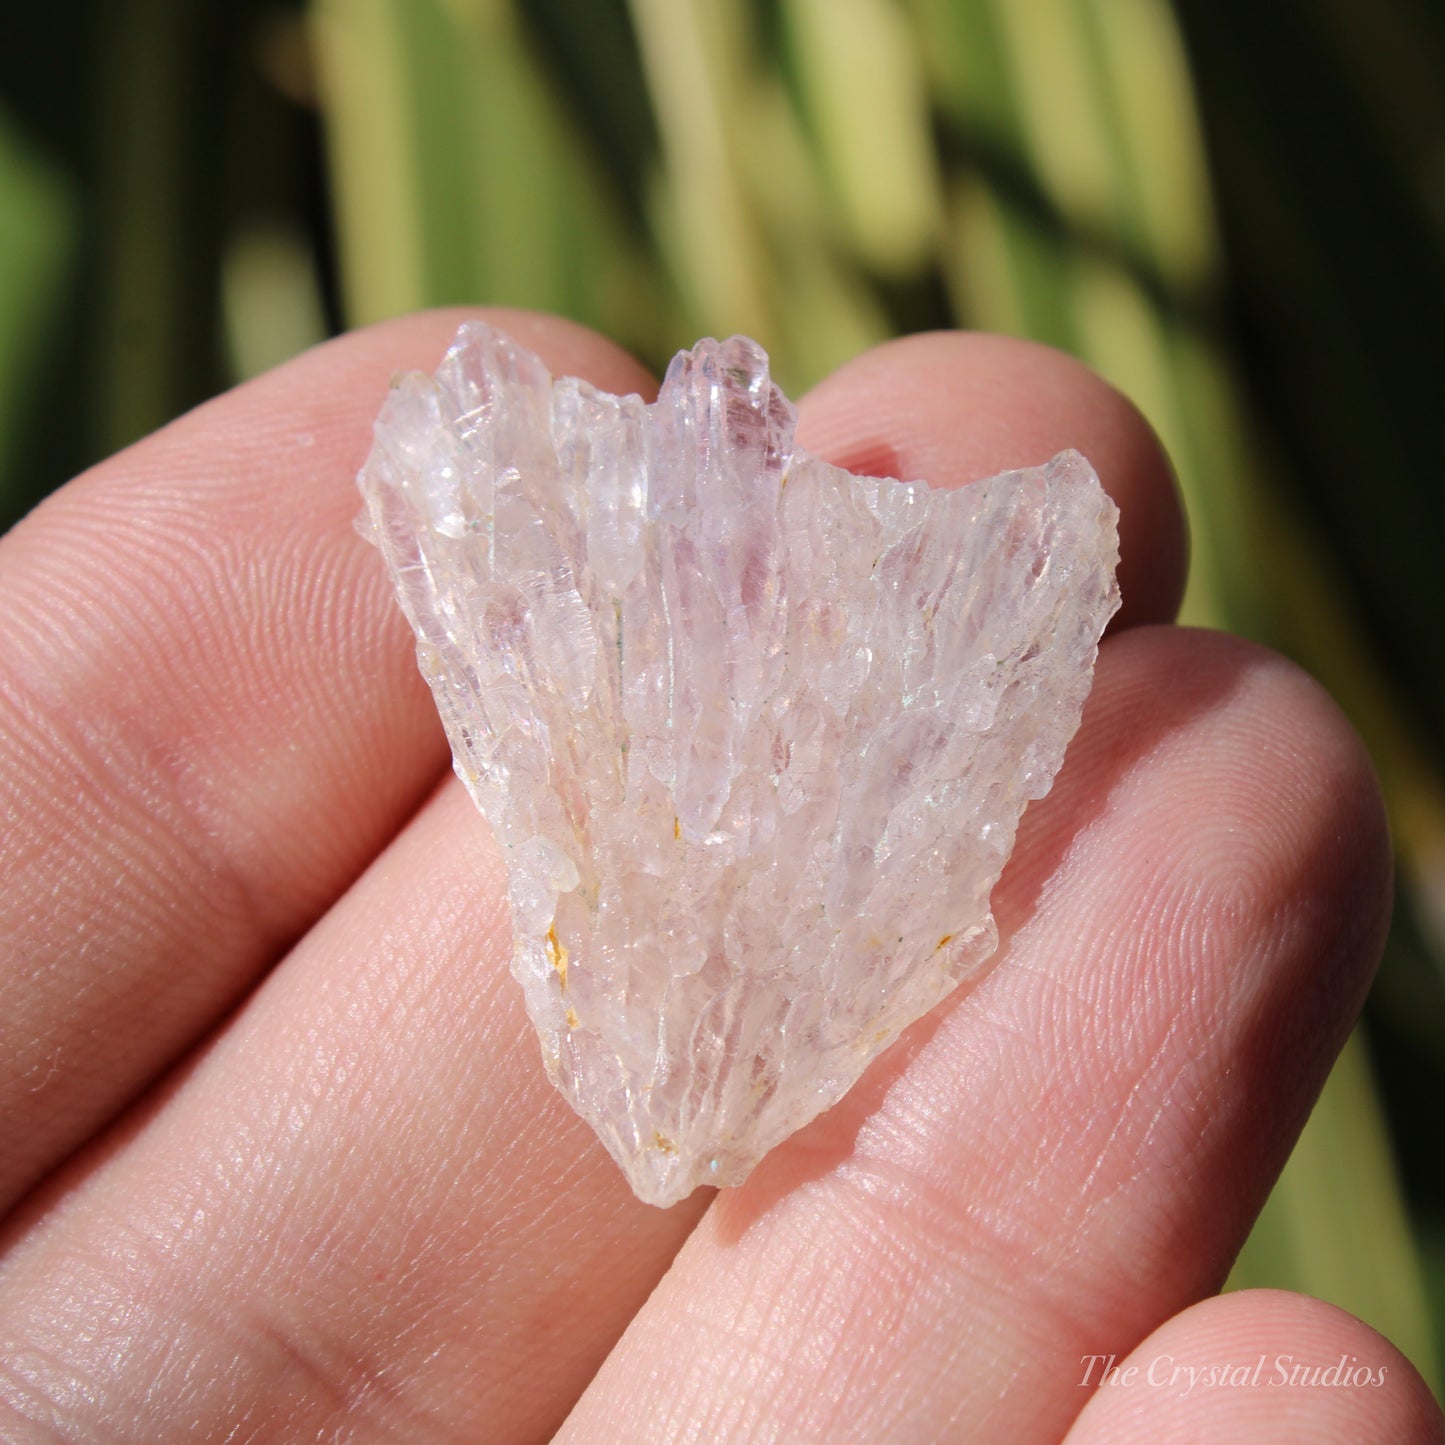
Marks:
<point>210,720</point>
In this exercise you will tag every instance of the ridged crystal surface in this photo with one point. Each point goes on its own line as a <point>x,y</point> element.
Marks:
<point>754,733</point>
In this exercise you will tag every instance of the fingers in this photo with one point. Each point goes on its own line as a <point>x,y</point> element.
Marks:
<point>364,1201</point>
<point>952,407</point>
<point>1074,1151</point>
<point>365,1208</point>
<point>1256,1368</point>
<point>210,719</point>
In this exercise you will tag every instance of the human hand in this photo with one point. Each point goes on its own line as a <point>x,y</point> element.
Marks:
<point>280,1155</point>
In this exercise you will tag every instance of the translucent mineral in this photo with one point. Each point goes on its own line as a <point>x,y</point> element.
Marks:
<point>754,733</point>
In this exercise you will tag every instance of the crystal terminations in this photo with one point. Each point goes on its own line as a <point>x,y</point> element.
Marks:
<point>755,734</point>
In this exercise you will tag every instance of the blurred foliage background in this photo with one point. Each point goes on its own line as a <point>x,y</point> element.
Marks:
<point>1235,211</point>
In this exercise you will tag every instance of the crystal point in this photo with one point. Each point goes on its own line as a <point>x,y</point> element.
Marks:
<point>754,734</point>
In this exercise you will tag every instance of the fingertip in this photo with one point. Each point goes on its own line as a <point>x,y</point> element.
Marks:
<point>951,407</point>
<point>568,347</point>
<point>327,396</point>
<point>1259,1365</point>
<point>418,341</point>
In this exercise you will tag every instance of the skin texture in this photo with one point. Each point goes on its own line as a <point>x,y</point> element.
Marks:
<point>280,1159</point>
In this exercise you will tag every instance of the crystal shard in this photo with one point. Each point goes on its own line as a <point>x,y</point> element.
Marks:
<point>754,733</point>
